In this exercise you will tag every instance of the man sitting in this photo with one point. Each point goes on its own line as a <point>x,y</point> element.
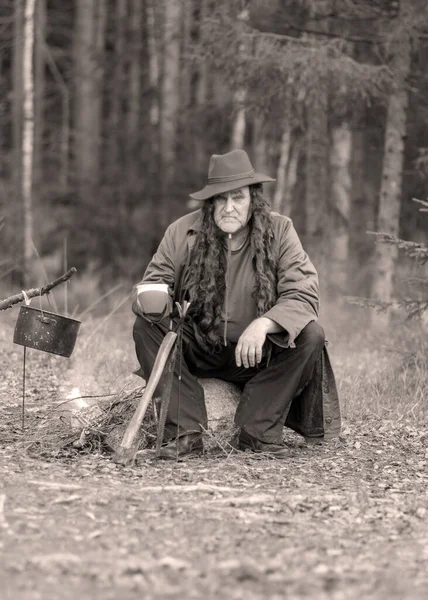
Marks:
<point>252,320</point>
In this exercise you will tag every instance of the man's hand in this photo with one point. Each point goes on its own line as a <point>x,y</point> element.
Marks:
<point>249,348</point>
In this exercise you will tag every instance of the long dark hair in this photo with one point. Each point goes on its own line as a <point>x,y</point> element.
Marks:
<point>206,278</point>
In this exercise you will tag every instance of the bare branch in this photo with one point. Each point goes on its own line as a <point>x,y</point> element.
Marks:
<point>9,302</point>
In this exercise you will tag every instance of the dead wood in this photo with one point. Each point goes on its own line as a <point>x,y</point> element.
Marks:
<point>3,521</point>
<point>56,485</point>
<point>196,487</point>
<point>12,300</point>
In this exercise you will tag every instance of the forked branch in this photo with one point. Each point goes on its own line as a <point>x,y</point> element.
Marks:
<point>9,302</point>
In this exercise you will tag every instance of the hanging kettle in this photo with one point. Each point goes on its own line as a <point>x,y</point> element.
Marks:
<point>46,331</point>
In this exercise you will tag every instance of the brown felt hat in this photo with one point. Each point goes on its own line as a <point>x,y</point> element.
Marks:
<point>227,172</point>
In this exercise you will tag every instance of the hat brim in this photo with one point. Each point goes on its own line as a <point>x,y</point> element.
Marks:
<point>213,189</point>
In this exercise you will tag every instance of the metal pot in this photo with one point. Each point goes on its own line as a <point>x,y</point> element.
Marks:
<point>46,331</point>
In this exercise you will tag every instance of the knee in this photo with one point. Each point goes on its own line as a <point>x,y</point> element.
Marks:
<point>313,335</point>
<point>144,331</point>
<point>140,328</point>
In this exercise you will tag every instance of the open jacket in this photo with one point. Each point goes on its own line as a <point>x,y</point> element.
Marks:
<point>298,292</point>
<point>297,305</point>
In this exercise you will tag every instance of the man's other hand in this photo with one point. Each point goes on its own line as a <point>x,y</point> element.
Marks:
<point>249,348</point>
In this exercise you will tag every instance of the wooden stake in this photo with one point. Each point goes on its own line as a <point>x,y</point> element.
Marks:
<point>23,389</point>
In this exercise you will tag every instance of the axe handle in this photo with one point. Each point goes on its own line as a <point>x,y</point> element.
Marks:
<point>157,370</point>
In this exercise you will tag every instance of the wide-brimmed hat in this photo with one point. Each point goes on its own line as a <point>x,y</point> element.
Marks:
<point>227,172</point>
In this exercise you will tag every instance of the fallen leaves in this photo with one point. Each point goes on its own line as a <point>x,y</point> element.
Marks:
<point>344,519</point>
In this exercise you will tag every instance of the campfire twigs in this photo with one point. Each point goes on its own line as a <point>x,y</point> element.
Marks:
<point>125,454</point>
<point>12,300</point>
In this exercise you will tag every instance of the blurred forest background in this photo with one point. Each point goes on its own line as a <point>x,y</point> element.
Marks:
<point>110,110</point>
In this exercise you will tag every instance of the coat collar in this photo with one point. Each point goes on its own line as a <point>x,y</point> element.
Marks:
<point>192,232</point>
<point>195,227</point>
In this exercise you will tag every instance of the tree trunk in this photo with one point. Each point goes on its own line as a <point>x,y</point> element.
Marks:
<point>240,121</point>
<point>88,64</point>
<point>261,145</point>
<point>317,177</point>
<point>118,90</point>
<point>134,107</point>
<point>340,169</point>
<point>392,174</point>
<point>65,119</point>
<point>28,134</point>
<point>152,48</point>
<point>292,172</point>
<point>39,93</point>
<point>170,99</point>
<point>200,92</point>
<point>281,173</point>
<point>240,94</point>
<point>202,78</point>
<point>186,65</point>
<point>18,97</point>
<point>317,152</point>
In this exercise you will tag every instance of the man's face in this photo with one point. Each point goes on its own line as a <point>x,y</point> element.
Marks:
<point>232,210</point>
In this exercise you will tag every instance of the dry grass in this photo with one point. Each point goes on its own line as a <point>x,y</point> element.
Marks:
<point>104,359</point>
<point>378,377</point>
<point>383,376</point>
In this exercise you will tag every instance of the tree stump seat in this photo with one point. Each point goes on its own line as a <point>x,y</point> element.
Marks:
<point>221,399</point>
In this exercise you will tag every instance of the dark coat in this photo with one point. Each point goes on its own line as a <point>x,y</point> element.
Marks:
<point>298,291</point>
<point>315,412</point>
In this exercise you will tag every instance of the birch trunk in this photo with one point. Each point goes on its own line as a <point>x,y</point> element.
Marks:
<point>170,97</point>
<point>39,92</point>
<point>18,97</point>
<point>292,173</point>
<point>281,173</point>
<point>88,64</point>
<point>240,95</point>
<point>392,175</point>
<point>28,135</point>
<point>240,121</point>
<point>261,145</point>
<point>340,170</point>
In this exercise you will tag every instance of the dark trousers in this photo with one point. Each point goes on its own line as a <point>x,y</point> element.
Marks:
<point>267,390</point>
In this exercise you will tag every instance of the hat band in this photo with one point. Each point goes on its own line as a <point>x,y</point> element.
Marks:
<point>227,178</point>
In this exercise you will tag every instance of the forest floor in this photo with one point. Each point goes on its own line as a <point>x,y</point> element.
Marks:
<point>344,520</point>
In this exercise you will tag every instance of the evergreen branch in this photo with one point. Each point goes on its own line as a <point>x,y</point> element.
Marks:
<point>414,250</point>
<point>419,284</point>
<point>413,308</point>
<point>378,305</point>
